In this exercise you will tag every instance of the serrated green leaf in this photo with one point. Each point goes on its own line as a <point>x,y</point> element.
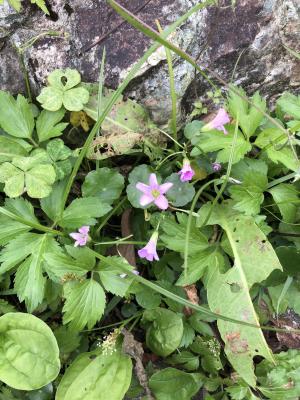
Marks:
<point>48,126</point>
<point>29,353</point>
<point>277,150</point>
<point>248,116</point>
<point>51,205</point>
<point>228,293</point>
<point>217,141</point>
<point>290,104</point>
<point>95,375</point>
<point>248,196</point>
<point>110,276</point>
<point>84,305</point>
<point>83,211</point>
<point>29,279</point>
<point>9,149</point>
<point>104,183</point>
<point>286,197</point>
<point>41,4</point>
<point>16,116</point>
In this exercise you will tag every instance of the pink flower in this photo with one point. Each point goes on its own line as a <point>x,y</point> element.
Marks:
<point>216,166</point>
<point>149,251</point>
<point>154,193</point>
<point>81,237</point>
<point>186,173</point>
<point>221,119</point>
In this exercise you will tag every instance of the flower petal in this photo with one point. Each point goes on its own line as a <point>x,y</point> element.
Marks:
<point>84,230</point>
<point>145,199</point>
<point>165,187</point>
<point>143,188</point>
<point>153,181</point>
<point>161,202</point>
<point>75,235</point>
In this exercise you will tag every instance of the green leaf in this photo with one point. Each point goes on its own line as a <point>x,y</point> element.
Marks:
<point>16,117</point>
<point>29,353</point>
<point>164,334</point>
<point>286,197</point>
<point>217,141</point>
<point>9,149</point>
<point>291,297</point>
<point>85,303</point>
<point>173,384</point>
<point>290,104</point>
<point>209,349</point>
<point>228,293</point>
<point>10,229</point>
<point>59,155</point>
<point>29,279</point>
<point>110,276</point>
<point>181,193</point>
<point>32,174</point>
<point>6,307</point>
<point>96,376</point>
<point>48,126</point>
<point>60,267</point>
<point>248,196</point>
<point>51,205</point>
<point>83,211</point>
<point>186,359</point>
<point>41,4</point>
<point>61,91</point>
<point>67,340</point>
<point>104,183</point>
<point>147,298</point>
<point>201,254</point>
<point>248,116</point>
<point>140,173</point>
<point>277,149</point>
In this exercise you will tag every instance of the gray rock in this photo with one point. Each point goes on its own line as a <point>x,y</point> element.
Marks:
<point>254,33</point>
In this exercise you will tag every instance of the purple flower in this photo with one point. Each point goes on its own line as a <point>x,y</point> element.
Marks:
<point>186,173</point>
<point>149,251</point>
<point>154,193</point>
<point>216,166</point>
<point>221,119</point>
<point>81,237</point>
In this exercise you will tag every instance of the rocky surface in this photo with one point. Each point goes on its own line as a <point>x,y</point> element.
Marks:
<point>254,31</point>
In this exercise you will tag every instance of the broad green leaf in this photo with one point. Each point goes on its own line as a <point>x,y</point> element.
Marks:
<point>290,104</point>
<point>146,297</point>
<point>217,141</point>
<point>61,91</point>
<point>39,180</point>
<point>248,196</point>
<point>140,173</point>
<point>22,208</point>
<point>289,257</point>
<point>181,193</point>
<point>104,183</point>
<point>16,117</point>
<point>165,331</point>
<point>286,197</point>
<point>84,305</point>
<point>185,359</point>
<point>29,279</point>
<point>291,297</point>
<point>173,384</point>
<point>96,375</point>
<point>83,211</point>
<point>48,124</point>
<point>29,355</point>
<point>248,116</point>
<point>9,149</point>
<point>111,276</point>
<point>228,293</point>
<point>278,150</point>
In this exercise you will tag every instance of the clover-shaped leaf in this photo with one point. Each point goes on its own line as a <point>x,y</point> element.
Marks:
<point>34,175</point>
<point>59,154</point>
<point>62,91</point>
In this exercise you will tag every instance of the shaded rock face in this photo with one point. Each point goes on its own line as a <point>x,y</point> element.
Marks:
<point>247,39</point>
